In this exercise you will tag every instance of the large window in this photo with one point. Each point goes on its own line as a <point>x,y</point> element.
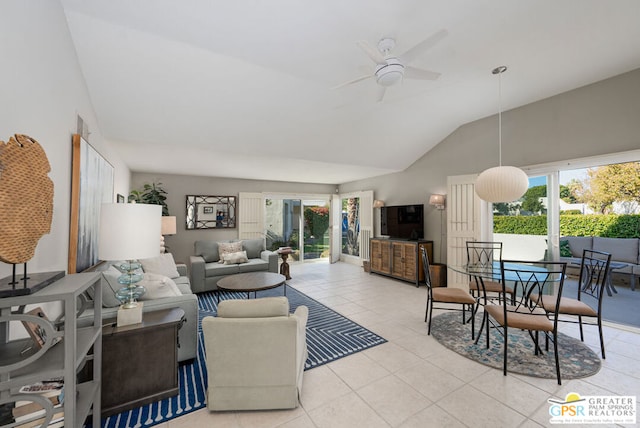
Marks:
<point>350,226</point>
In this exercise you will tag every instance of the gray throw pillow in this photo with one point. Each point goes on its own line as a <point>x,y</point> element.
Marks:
<point>253,247</point>
<point>208,250</point>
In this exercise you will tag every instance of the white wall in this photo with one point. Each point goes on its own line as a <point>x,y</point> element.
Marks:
<point>594,120</point>
<point>42,91</point>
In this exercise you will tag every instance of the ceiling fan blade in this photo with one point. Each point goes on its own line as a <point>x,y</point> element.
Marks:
<point>381,91</point>
<point>356,80</point>
<point>429,42</point>
<point>374,54</point>
<point>420,74</point>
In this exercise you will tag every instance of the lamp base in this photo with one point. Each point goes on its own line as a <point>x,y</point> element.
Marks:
<point>128,316</point>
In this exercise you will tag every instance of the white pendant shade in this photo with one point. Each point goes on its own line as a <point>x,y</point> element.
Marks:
<point>502,184</point>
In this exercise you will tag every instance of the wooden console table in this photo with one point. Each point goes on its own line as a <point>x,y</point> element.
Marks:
<point>140,361</point>
<point>399,258</point>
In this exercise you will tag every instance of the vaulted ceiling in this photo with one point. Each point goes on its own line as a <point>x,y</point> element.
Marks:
<point>246,88</point>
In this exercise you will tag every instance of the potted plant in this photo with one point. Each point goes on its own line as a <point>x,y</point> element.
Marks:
<point>151,194</point>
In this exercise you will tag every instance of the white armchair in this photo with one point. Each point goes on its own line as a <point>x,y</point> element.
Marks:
<point>256,352</point>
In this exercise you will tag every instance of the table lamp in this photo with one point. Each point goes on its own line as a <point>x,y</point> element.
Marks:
<point>129,232</point>
<point>168,228</point>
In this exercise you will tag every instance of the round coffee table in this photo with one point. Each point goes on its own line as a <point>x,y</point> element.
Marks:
<point>252,281</point>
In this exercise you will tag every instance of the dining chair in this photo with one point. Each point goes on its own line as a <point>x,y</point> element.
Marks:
<point>539,278</point>
<point>592,282</point>
<point>445,295</point>
<point>483,254</point>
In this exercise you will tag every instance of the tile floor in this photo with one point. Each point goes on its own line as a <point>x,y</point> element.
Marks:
<point>413,381</point>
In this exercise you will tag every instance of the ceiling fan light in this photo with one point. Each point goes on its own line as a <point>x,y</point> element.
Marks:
<point>390,73</point>
<point>501,184</point>
<point>389,78</point>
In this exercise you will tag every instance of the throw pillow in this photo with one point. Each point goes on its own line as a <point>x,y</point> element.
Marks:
<point>228,248</point>
<point>158,287</point>
<point>161,265</point>
<point>253,247</point>
<point>565,249</point>
<point>235,258</point>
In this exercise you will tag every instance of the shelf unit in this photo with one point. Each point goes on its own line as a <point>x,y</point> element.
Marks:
<point>399,258</point>
<point>64,359</point>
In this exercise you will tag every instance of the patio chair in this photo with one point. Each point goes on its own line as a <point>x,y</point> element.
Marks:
<point>447,296</point>
<point>483,254</point>
<point>594,272</point>
<point>536,278</point>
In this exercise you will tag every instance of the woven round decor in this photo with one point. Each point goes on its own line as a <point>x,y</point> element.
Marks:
<point>26,198</point>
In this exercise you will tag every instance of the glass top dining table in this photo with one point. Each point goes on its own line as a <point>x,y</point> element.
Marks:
<point>492,271</point>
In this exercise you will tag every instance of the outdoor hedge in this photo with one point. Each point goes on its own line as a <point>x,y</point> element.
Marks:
<point>609,225</point>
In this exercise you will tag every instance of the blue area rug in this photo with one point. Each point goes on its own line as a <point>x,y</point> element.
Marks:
<point>330,336</point>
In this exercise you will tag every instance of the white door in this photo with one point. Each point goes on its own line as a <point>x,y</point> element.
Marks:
<point>250,216</point>
<point>466,218</point>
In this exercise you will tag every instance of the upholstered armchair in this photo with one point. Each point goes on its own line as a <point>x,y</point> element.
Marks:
<point>256,352</point>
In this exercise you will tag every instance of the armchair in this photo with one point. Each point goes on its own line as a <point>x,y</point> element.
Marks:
<point>256,352</point>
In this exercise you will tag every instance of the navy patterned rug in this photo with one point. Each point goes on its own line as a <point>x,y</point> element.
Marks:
<point>330,336</point>
<point>577,360</point>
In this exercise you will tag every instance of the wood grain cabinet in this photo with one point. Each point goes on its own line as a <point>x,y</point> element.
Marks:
<point>399,259</point>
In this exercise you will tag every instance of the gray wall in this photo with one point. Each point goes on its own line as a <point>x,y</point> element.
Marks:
<point>597,119</point>
<point>179,186</point>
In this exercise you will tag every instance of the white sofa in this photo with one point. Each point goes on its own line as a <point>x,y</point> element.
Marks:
<point>187,301</point>
<point>256,352</point>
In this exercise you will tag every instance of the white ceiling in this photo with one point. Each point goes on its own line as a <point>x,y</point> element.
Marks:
<point>244,88</point>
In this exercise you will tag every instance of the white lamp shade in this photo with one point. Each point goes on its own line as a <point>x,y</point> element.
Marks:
<point>129,231</point>
<point>437,200</point>
<point>168,225</point>
<point>501,184</point>
<point>378,203</point>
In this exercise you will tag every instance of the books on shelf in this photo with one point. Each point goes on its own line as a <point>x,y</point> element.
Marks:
<point>28,414</point>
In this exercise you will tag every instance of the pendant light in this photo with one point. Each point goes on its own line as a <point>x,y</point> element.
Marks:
<point>501,183</point>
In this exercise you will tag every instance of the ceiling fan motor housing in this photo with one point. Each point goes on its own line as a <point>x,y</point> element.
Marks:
<point>390,73</point>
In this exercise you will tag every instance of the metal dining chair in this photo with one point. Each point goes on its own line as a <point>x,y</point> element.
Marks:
<point>483,254</point>
<point>446,296</point>
<point>592,282</point>
<point>524,313</point>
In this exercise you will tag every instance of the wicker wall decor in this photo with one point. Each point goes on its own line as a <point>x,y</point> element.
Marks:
<point>26,198</point>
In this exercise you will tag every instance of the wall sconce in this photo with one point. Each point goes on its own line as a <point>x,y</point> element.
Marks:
<point>437,201</point>
<point>378,203</point>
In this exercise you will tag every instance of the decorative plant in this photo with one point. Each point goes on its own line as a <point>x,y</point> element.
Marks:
<point>151,194</point>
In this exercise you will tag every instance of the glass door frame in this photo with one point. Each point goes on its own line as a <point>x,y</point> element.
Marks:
<point>301,198</point>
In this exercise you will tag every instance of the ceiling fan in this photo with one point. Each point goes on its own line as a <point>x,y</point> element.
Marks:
<point>391,69</point>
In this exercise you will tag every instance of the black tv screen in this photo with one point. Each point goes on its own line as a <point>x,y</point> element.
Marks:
<point>402,221</point>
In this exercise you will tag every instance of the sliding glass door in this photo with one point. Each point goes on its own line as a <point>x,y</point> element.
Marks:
<point>302,224</point>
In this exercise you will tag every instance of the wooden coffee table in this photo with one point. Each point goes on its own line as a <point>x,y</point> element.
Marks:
<point>252,281</point>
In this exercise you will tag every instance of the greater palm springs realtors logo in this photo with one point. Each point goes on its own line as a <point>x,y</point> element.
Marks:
<point>605,409</point>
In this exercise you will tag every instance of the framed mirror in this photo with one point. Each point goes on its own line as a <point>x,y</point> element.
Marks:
<point>211,212</point>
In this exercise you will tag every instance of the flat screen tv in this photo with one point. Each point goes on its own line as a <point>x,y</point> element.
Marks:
<point>402,221</point>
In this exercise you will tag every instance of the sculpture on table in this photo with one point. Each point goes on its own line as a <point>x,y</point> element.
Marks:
<point>26,201</point>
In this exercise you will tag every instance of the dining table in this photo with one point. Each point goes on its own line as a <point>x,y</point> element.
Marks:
<point>493,272</point>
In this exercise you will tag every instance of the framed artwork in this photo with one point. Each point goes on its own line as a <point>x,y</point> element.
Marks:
<point>211,212</point>
<point>119,198</point>
<point>91,186</point>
